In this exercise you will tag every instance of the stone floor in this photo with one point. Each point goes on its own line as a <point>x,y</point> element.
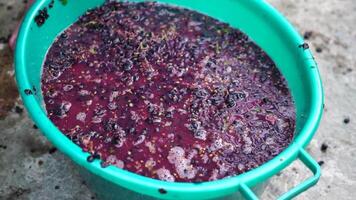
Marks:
<point>30,168</point>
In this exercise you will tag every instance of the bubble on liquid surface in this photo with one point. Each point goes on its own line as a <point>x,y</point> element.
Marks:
<point>81,116</point>
<point>114,161</point>
<point>67,88</point>
<point>183,166</point>
<point>175,154</point>
<point>165,175</point>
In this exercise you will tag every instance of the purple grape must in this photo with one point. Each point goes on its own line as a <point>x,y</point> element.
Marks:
<point>167,93</point>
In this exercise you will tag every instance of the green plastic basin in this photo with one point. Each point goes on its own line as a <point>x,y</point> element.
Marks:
<point>254,17</point>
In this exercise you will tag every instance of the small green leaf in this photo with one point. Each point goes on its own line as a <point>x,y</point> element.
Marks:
<point>64,2</point>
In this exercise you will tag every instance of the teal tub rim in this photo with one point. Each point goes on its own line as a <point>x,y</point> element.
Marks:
<point>154,187</point>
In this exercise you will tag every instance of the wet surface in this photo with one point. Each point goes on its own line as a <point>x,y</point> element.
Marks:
<point>8,89</point>
<point>10,13</point>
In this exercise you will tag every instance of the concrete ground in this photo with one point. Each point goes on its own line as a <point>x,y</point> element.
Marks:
<point>30,168</point>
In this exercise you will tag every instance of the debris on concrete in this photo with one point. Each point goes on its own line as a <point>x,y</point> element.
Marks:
<point>31,168</point>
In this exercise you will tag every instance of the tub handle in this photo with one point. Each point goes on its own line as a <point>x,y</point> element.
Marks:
<point>309,162</point>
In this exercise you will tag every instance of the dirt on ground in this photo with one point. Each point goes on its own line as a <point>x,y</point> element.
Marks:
<point>31,168</point>
<point>10,14</point>
<point>8,90</point>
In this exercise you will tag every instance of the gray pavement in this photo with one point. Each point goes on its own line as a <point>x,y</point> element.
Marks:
<point>30,168</point>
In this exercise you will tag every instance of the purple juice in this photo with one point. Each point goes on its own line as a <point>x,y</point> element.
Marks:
<point>167,93</point>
